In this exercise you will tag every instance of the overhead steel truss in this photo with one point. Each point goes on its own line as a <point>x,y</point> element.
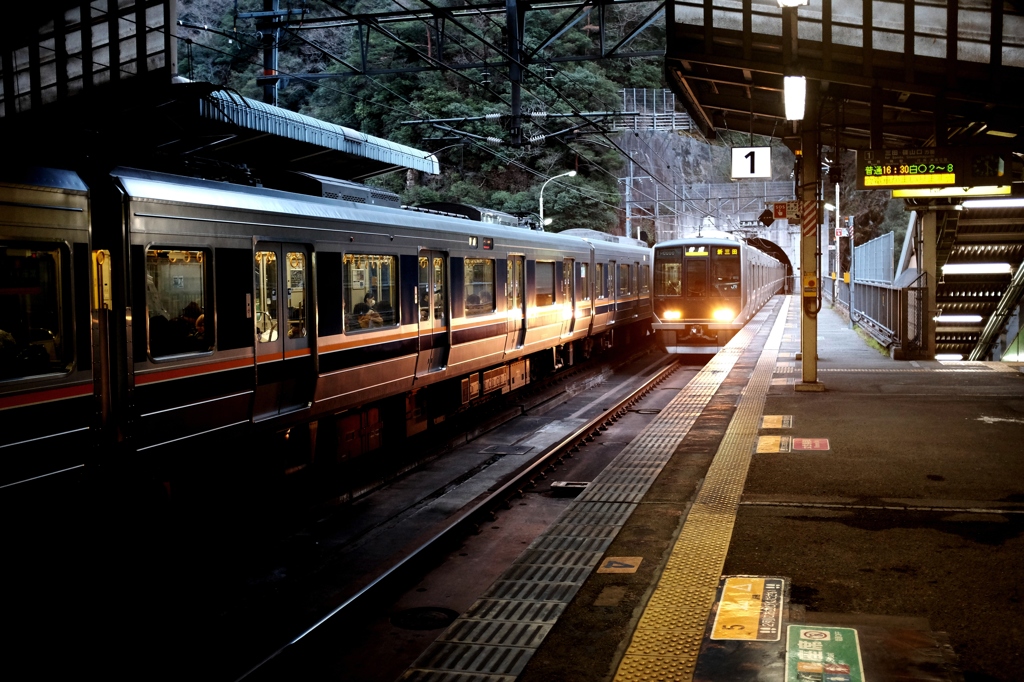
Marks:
<point>446,25</point>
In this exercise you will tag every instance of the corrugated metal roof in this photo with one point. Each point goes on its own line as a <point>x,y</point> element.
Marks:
<point>227,107</point>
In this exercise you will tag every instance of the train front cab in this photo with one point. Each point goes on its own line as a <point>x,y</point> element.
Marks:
<point>700,297</point>
<point>46,377</point>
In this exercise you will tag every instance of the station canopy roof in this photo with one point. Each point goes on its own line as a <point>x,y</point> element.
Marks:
<point>169,127</point>
<point>220,124</point>
<point>893,75</point>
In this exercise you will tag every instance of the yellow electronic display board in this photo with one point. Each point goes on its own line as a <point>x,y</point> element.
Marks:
<point>943,167</point>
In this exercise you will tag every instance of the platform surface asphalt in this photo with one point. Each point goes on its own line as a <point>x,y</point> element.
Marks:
<point>906,525</point>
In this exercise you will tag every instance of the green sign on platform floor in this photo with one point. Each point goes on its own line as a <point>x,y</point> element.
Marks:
<point>822,654</point>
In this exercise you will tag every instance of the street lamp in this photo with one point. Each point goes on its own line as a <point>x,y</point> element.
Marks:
<point>543,222</point>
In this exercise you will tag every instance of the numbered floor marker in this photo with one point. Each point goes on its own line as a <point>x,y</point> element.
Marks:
<point>750,609</point>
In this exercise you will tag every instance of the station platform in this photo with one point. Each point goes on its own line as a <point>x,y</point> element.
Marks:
<point>871,531</point>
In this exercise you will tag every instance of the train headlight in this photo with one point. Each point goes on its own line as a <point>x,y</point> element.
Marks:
<point>672,315</point>
<point>723,314</point>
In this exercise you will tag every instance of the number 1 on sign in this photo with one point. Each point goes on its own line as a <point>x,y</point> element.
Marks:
<point>751,162</point>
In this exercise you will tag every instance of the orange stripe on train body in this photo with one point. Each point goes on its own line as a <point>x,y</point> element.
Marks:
<point>191,370</point>
<point>46,396</point>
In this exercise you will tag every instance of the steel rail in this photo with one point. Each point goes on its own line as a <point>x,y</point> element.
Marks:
<point>472,516</point>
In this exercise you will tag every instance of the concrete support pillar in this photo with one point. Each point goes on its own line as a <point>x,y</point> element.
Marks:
<point>810,181</point>
<point>928,236</point>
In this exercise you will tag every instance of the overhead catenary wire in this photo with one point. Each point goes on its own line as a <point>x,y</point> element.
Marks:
<point>572,104</point>
<point>315,84</point>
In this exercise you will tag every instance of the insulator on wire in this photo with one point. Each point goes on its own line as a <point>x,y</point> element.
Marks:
<point>536,139</point>
<point>492,117</point>
<point>539,114</point>
<point>494,140</point>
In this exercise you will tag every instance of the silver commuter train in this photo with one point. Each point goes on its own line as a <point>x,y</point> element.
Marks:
<point>145,315</point>
<point>706,288</point>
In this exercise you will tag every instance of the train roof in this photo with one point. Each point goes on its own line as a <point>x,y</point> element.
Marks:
<point>52,178</point>
<point>142,184</point>
<point>597,235</point>
<point>709,237</point>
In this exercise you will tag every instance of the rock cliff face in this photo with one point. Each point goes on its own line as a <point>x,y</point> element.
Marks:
<point>690,174</point>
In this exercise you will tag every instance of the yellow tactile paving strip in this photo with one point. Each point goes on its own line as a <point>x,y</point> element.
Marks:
<point>668,637</point>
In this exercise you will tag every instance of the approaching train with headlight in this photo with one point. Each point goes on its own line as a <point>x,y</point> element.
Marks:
<point>707,288</point>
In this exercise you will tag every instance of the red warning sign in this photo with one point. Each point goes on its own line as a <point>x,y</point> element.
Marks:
<point>779,210</point>
<point>810,444</point>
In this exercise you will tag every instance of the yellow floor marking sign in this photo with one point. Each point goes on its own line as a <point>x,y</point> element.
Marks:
<point>771,444</point>
<point>777,421</point>
<point>750,609</point>
<point>620,564</point>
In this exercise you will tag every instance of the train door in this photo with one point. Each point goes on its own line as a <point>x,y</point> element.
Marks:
<point>432,299</point>
<point>634,287</point>
<point>568,295</point>
<point>516,296</point>
<point>611,270</point>
<point>284,361</point>
<point>696,285</point>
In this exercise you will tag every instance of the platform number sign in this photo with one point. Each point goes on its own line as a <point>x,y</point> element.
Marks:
<point>751,162</point>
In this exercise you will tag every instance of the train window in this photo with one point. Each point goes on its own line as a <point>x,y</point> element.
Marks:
<point>645,279</point>
<point>371,291</point>
<point>265,286</point>
<point>668,272</point>
<point>515,283</point>
<point>34,327</point>
<point>584,282</point>
<point>696,278</point>
<point>176,301</point>
<point>295,280</point>
<point>599,279</point>
<point>623,280</point>
<point>725,272</point>
<point>545,293</point>
<point>567,280</point>
<point>479,278</point>
<point>609,286</point>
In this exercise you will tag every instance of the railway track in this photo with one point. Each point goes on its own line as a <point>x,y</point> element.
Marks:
<point>405,567</point>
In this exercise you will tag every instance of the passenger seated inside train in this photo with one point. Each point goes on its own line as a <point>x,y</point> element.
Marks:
<point>386,312</point>
<point>365,315</point>
<point>186,333</point>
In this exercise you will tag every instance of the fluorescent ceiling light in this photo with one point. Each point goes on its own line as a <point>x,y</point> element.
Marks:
<point>958,318</point>
<point>1000,133</point>
<point>976,269</point>
<point>829,207</point>
<point>926,192</point>
<point>949,356</point>
<point>793,3</point>
<point>795,90</point>
<point>994,203</point>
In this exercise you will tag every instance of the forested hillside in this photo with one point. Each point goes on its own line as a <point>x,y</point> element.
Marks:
<point>478,165</point>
